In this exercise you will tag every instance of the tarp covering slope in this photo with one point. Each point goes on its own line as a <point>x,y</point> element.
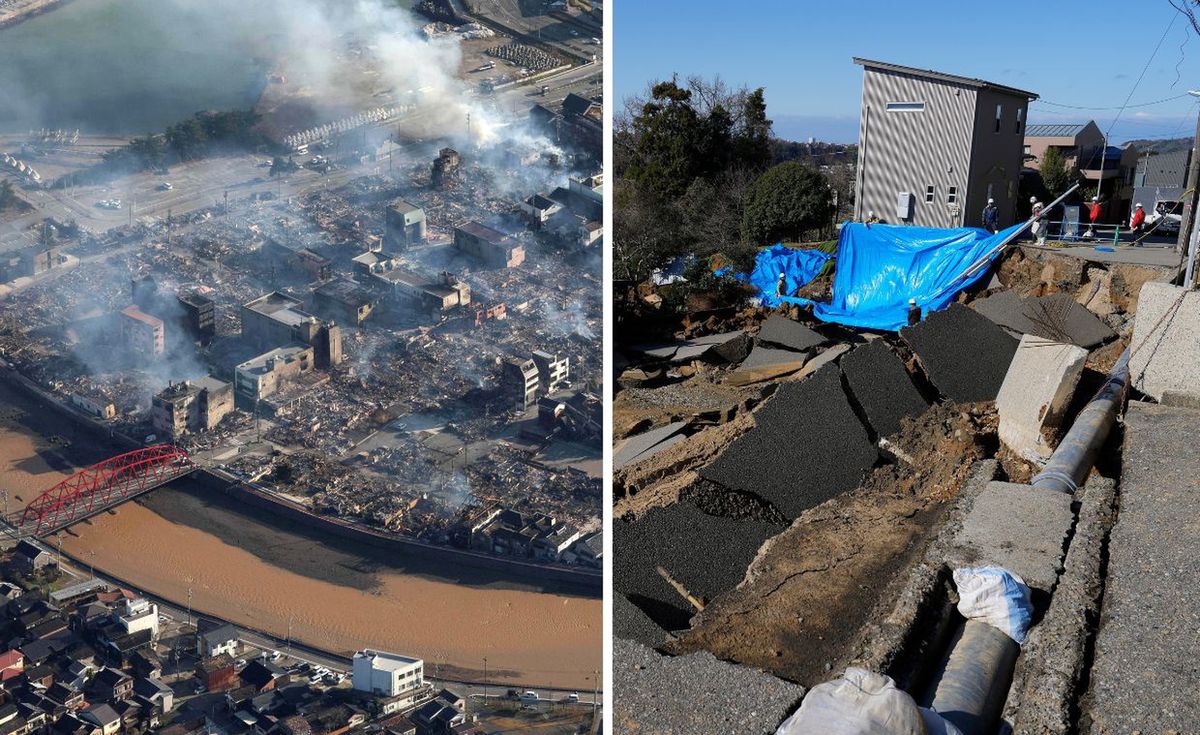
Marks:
<point>798,267</point>
<point>881,267</point>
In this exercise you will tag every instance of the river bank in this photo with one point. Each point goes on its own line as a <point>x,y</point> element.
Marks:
<point>23,10</point>
<point>333,594</point>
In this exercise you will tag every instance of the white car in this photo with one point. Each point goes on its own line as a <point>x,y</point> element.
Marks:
<point>166,186</point>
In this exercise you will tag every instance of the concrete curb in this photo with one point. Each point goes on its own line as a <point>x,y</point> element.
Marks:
<point>1049,673</point>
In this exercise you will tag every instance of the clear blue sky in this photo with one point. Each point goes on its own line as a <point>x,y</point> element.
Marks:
<point>1086,54</point>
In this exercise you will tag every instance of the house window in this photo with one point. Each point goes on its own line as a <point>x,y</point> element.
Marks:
<point>929,193</point>
<point>1028,150</point>
<point>999,116</point>
<point>906,107</point>
<point>1020,119</point>
<point>952,196</point>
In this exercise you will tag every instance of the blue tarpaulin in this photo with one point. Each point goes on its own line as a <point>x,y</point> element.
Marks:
<point>798,267</point>
<point>881,267</point>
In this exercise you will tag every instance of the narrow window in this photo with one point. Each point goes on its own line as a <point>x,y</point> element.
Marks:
<point>906,107</point>
<point>952,197</point>
<point>1020,119</point>
<point>929,193</point>
<point>999,116</point>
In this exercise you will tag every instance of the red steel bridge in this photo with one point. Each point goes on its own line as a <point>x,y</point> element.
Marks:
<point>102,486</point>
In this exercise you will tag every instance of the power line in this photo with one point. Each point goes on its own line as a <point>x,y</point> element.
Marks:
<point>1141,76</point>
<point>1140,104</point>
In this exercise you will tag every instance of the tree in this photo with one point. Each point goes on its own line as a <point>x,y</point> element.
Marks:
<point>752,141</point>
<point>784,202</point>
<point>673,144</point>
<point>1056,175</point>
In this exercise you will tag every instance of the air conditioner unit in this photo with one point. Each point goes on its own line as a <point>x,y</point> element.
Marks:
<point>905,201</point>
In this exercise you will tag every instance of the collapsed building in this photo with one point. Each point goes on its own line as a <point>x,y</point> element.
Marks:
<point>445,168</point>
<point>580,121</point>
<point>31,261</point>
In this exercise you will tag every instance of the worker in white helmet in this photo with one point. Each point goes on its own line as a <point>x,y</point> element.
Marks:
<point>991,217</point>
<point>1137,219</point>
<point>1039,223</point>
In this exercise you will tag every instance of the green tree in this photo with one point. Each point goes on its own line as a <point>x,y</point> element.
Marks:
<point>752,141</point>
<point>673,144</point>
<point>784,202</point>
<point>1056,175</point>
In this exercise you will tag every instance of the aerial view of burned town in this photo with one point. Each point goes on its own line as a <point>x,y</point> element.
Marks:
<point>300,335</point>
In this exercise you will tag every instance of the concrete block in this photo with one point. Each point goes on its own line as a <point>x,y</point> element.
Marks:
<point>1166,342</point>
<point>639,447</point>
<point>696,694</point>
<point>1036,392</point>
<point>1018,528</point>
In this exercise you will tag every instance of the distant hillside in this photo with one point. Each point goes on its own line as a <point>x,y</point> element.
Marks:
<point>817,153</point>
<point>1163,146</point>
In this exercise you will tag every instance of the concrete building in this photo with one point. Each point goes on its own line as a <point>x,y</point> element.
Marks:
<point>538,209</point>
<point>404,225</point>
<point>386,674</point>
<point>276,320</point>
<point>94,404</point>
<point>138,614</point>
<point>552,371</point>
<point>199,315</point>
<point>142,334</point>
<point>933,147</point>
<point>520,379</point>
<point>494,248</point>
<point>344,301</point>
<point>262,376</point>
<point>191,406</point>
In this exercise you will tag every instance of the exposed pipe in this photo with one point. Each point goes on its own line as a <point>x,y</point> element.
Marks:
<point>1071,462</point>
<point>972,686</point>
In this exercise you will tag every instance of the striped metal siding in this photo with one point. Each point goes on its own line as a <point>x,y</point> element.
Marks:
<point>909,151</point>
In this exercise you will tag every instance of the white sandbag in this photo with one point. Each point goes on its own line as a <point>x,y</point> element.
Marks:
<point>863,703</point>
<point>997,597</point>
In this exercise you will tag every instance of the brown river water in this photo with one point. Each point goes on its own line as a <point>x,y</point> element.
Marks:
<point>250,568</point>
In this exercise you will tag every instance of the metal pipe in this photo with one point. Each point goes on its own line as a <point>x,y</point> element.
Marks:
<point>972,686</point>
<point>1071,462</point>
<point>1014,235</point>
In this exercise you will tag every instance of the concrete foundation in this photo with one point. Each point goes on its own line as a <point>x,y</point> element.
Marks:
<point>1018,528</point>
<point>695,694</point>
<point>1036,391</point>
<point>1166,337</point>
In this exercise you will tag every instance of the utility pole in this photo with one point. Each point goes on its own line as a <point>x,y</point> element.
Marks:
<point>1189,210</point>
<point>485,681</point>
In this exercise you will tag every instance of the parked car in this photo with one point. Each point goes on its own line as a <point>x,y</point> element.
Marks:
<point>1168,217</point>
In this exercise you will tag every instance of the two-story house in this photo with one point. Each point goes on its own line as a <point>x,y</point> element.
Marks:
<point>934,147</point>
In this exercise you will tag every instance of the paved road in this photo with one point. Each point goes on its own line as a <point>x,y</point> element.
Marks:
<point>1146,673</point>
